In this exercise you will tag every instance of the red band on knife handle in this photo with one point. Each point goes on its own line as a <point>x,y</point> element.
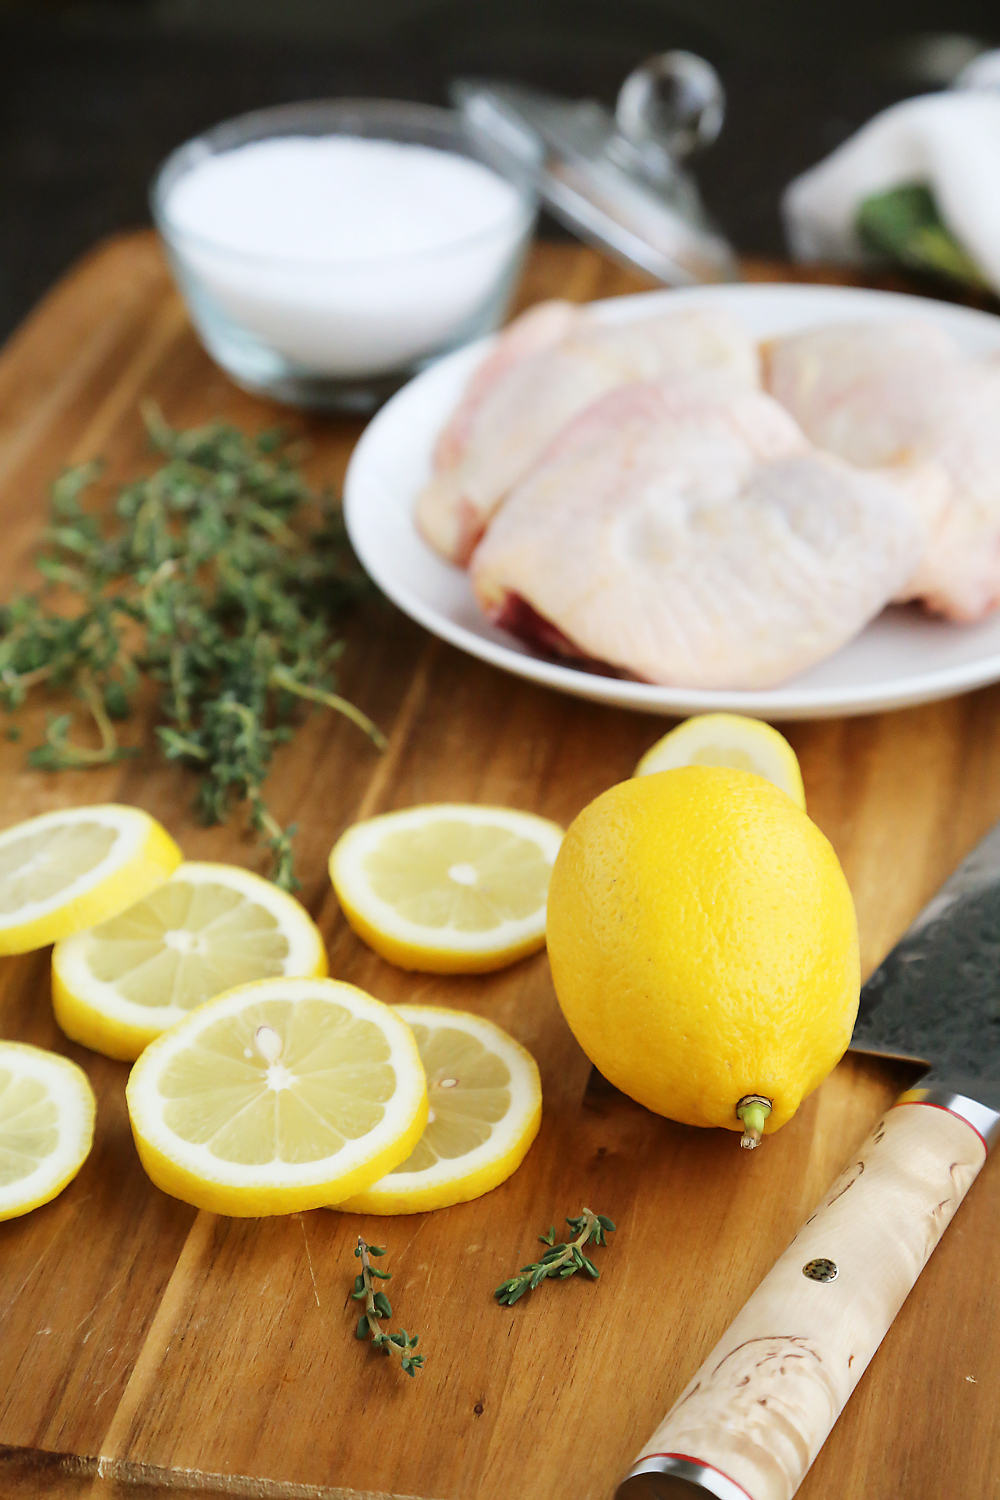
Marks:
<point>701,1464</point>
<point>930,1104</point>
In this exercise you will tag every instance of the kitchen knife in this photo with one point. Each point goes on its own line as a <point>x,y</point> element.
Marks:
<point>753,1418</point>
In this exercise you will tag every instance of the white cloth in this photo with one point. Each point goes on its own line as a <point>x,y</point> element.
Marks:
<point>983,72</point>
<point>949,141</point>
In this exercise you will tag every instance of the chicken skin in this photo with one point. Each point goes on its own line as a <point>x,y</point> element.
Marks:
<point>902,397</point>
<point>546,368</point>
<point>686,532</point>
<point>534,332</point>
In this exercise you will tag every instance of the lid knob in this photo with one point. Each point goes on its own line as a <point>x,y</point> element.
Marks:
<point>670,106</point>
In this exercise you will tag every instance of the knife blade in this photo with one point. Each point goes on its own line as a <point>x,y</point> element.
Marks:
<point>752,1419</point>
<point>936,998</point>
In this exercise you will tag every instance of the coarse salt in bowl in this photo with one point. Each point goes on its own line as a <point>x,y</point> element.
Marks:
<point>327,251</point>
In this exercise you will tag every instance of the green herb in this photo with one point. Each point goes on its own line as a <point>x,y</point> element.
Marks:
<point>377,1307</point>
<point>222,579</point>
<point>904,223</point>
<point>560,1260</point>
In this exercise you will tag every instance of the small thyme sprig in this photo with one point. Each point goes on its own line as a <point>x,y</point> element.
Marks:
<point>561,1260</point>
<point>377,1306</point>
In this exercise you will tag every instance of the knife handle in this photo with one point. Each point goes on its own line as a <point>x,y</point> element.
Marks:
<point>750,1423</point>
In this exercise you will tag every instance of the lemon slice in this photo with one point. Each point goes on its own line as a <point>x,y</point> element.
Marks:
<point>451,889</point>
<point>46,1126</point>
<point>281,1095</point>
<point>206,929</point>
<point>66,870</point>
<point>728,740</point>
<point>485,1109</point>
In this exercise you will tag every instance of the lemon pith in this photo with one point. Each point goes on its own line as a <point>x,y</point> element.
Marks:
<point>703,944</point>
<point>209,927</point>
<point>279,1096</point>
<point>447,888</point>
<point>485,1111</point>
<point>67,870</point>
<point>46,1126</point>
<point>728,740</point>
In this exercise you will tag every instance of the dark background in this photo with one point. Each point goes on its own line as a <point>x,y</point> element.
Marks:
<point>92,96</point>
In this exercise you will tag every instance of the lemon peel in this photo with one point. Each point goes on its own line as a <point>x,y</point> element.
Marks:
<point>279,1096</point>
<point>448,888</point>
<point>485,1110</point>
<point>209,927</point>
<point>703,945</point>
<point>728,740</point>
<point>70,869</point>
<point>47,1110</point>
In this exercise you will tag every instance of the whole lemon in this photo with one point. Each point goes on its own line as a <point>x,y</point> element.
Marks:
<point>704,945</point>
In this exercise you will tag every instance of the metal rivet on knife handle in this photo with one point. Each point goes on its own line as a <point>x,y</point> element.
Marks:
<point>821,1269</point>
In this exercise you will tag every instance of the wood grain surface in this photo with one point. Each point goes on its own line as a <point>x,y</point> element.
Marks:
<point>145,1346</point>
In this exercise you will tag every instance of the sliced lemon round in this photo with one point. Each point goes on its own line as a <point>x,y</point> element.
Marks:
<point>205,930</point>
<point>728,740</point>
<point>69,869</point>
<point>46,1126</point>
<point>449,888</point>
<point>485,1109</point>
<point>281,1095</point>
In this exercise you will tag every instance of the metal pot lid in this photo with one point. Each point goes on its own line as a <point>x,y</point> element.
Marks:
<point>616,180</point>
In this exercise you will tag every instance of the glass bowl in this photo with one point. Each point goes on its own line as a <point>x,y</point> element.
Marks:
<point>332,332</point>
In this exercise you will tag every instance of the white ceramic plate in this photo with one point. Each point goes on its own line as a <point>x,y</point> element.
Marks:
<point>902,658</point>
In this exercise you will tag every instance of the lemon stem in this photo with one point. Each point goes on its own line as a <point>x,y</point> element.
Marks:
<point>753,1110</point>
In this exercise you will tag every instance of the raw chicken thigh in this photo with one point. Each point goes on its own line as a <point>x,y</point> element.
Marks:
<point>902,395</point>
<point>535,331</point>
<point>546,368</point>
<point>687,533</point>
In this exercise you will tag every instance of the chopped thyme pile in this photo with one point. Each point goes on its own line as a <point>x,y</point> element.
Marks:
<point>222,578</point>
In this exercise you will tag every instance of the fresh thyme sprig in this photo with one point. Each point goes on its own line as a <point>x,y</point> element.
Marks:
<point>215,580</point>
<point>377,1306</point>
<point>561,1260</point>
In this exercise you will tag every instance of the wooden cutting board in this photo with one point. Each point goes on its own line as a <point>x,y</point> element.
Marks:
<point>146,1347</point>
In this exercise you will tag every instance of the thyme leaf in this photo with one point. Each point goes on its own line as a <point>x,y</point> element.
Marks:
<point>222,580</point>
